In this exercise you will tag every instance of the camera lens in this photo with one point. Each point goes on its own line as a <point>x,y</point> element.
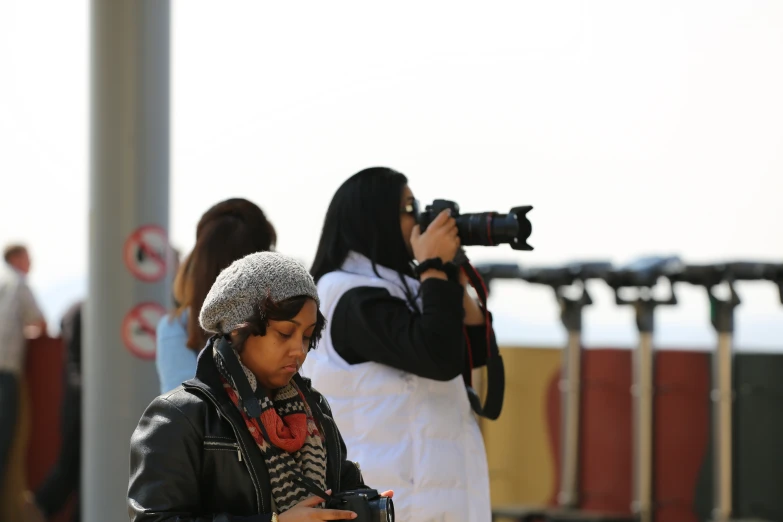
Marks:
<point>491,228</point>
<point>484,228</point>
<point>385,510</point>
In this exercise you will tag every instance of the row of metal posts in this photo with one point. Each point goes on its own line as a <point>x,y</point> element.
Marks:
<point>643,275</point>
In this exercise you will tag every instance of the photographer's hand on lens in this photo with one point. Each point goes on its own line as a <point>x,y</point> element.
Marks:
<point>306,511</point>
<point>441,239</point>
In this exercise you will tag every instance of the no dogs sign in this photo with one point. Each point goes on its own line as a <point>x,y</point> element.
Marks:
<point>138,329</point>
<point>146,253</point>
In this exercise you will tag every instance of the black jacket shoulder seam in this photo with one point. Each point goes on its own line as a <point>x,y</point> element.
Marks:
<point>182,413</point>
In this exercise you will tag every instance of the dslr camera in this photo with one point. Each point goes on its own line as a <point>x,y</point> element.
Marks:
<point>484,228</point>
<point>368,505</point>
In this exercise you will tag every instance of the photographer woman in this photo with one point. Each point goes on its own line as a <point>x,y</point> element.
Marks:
<point>197,455</point>
<point>228,231</point>
<point>394,349</point>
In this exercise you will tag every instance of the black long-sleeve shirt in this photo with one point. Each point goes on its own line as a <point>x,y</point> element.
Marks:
<point>369,324</point>
<point>71,333</point>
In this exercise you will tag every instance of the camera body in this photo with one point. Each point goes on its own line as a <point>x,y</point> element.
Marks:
<point>484,228</point>
<point>368,505</point>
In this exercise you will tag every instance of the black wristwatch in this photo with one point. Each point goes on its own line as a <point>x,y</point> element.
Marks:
<point>435,263</point>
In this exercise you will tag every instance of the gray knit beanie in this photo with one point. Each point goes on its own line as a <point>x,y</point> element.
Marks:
<point>240,288</point>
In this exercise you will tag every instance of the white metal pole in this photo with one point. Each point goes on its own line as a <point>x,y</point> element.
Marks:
<point>128,254</point>
<point>570,389</point>
<point>643,428</point>
<point>722,396</point>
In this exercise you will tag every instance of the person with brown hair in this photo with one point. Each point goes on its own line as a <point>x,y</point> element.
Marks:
<point>226,232</point>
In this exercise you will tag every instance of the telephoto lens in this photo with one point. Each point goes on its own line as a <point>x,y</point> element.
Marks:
<point>484,228</point>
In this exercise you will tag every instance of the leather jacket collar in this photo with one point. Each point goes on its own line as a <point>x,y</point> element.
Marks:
<point>207,383</point>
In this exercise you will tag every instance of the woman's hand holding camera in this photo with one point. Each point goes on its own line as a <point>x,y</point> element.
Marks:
<point>441,239</point>
<point>306,510</point>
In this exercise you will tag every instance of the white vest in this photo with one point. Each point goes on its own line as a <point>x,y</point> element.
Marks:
<point>413,435</point>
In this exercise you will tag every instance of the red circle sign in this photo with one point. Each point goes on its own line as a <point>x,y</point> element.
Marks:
<point>138,329</point>
<point>146,252</point>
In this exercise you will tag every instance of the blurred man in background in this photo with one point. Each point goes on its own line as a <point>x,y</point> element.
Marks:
<point>20,317</point>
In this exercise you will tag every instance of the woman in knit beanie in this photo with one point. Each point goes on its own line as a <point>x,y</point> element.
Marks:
<point>228,445</point>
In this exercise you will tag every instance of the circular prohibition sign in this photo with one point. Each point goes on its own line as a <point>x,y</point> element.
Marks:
<point>138,329</point>
<point>146,253</point>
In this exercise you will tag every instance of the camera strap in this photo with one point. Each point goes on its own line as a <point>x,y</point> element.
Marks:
<point>496,375</point>
<point>250,402</point>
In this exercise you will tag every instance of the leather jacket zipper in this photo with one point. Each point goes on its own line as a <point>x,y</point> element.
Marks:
<point>240,445</point>
<point>339,455</point>
<point>226,445</point>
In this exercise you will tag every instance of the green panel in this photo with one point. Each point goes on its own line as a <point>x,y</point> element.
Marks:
<point>758,441</point>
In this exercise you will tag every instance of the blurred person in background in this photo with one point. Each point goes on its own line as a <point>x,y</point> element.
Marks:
<point>17,259</point>
<point>227,444</point>
<point>394,349</point>
<point>20,318</point>
<point>63,480</point>
<point>228,231</point>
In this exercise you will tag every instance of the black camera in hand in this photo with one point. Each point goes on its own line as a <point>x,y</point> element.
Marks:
<point>484,228</point>
<point>368,505</point>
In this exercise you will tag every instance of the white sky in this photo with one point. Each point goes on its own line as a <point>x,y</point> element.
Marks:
<point>631,127</point>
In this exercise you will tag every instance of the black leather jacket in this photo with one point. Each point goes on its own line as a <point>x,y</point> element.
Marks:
<point>193,460</point>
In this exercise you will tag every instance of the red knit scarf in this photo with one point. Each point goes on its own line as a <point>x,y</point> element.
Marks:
<point>287,432</point>
<point>290,426</point>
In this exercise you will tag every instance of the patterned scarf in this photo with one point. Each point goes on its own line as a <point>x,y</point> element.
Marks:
<point>291,427</point>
